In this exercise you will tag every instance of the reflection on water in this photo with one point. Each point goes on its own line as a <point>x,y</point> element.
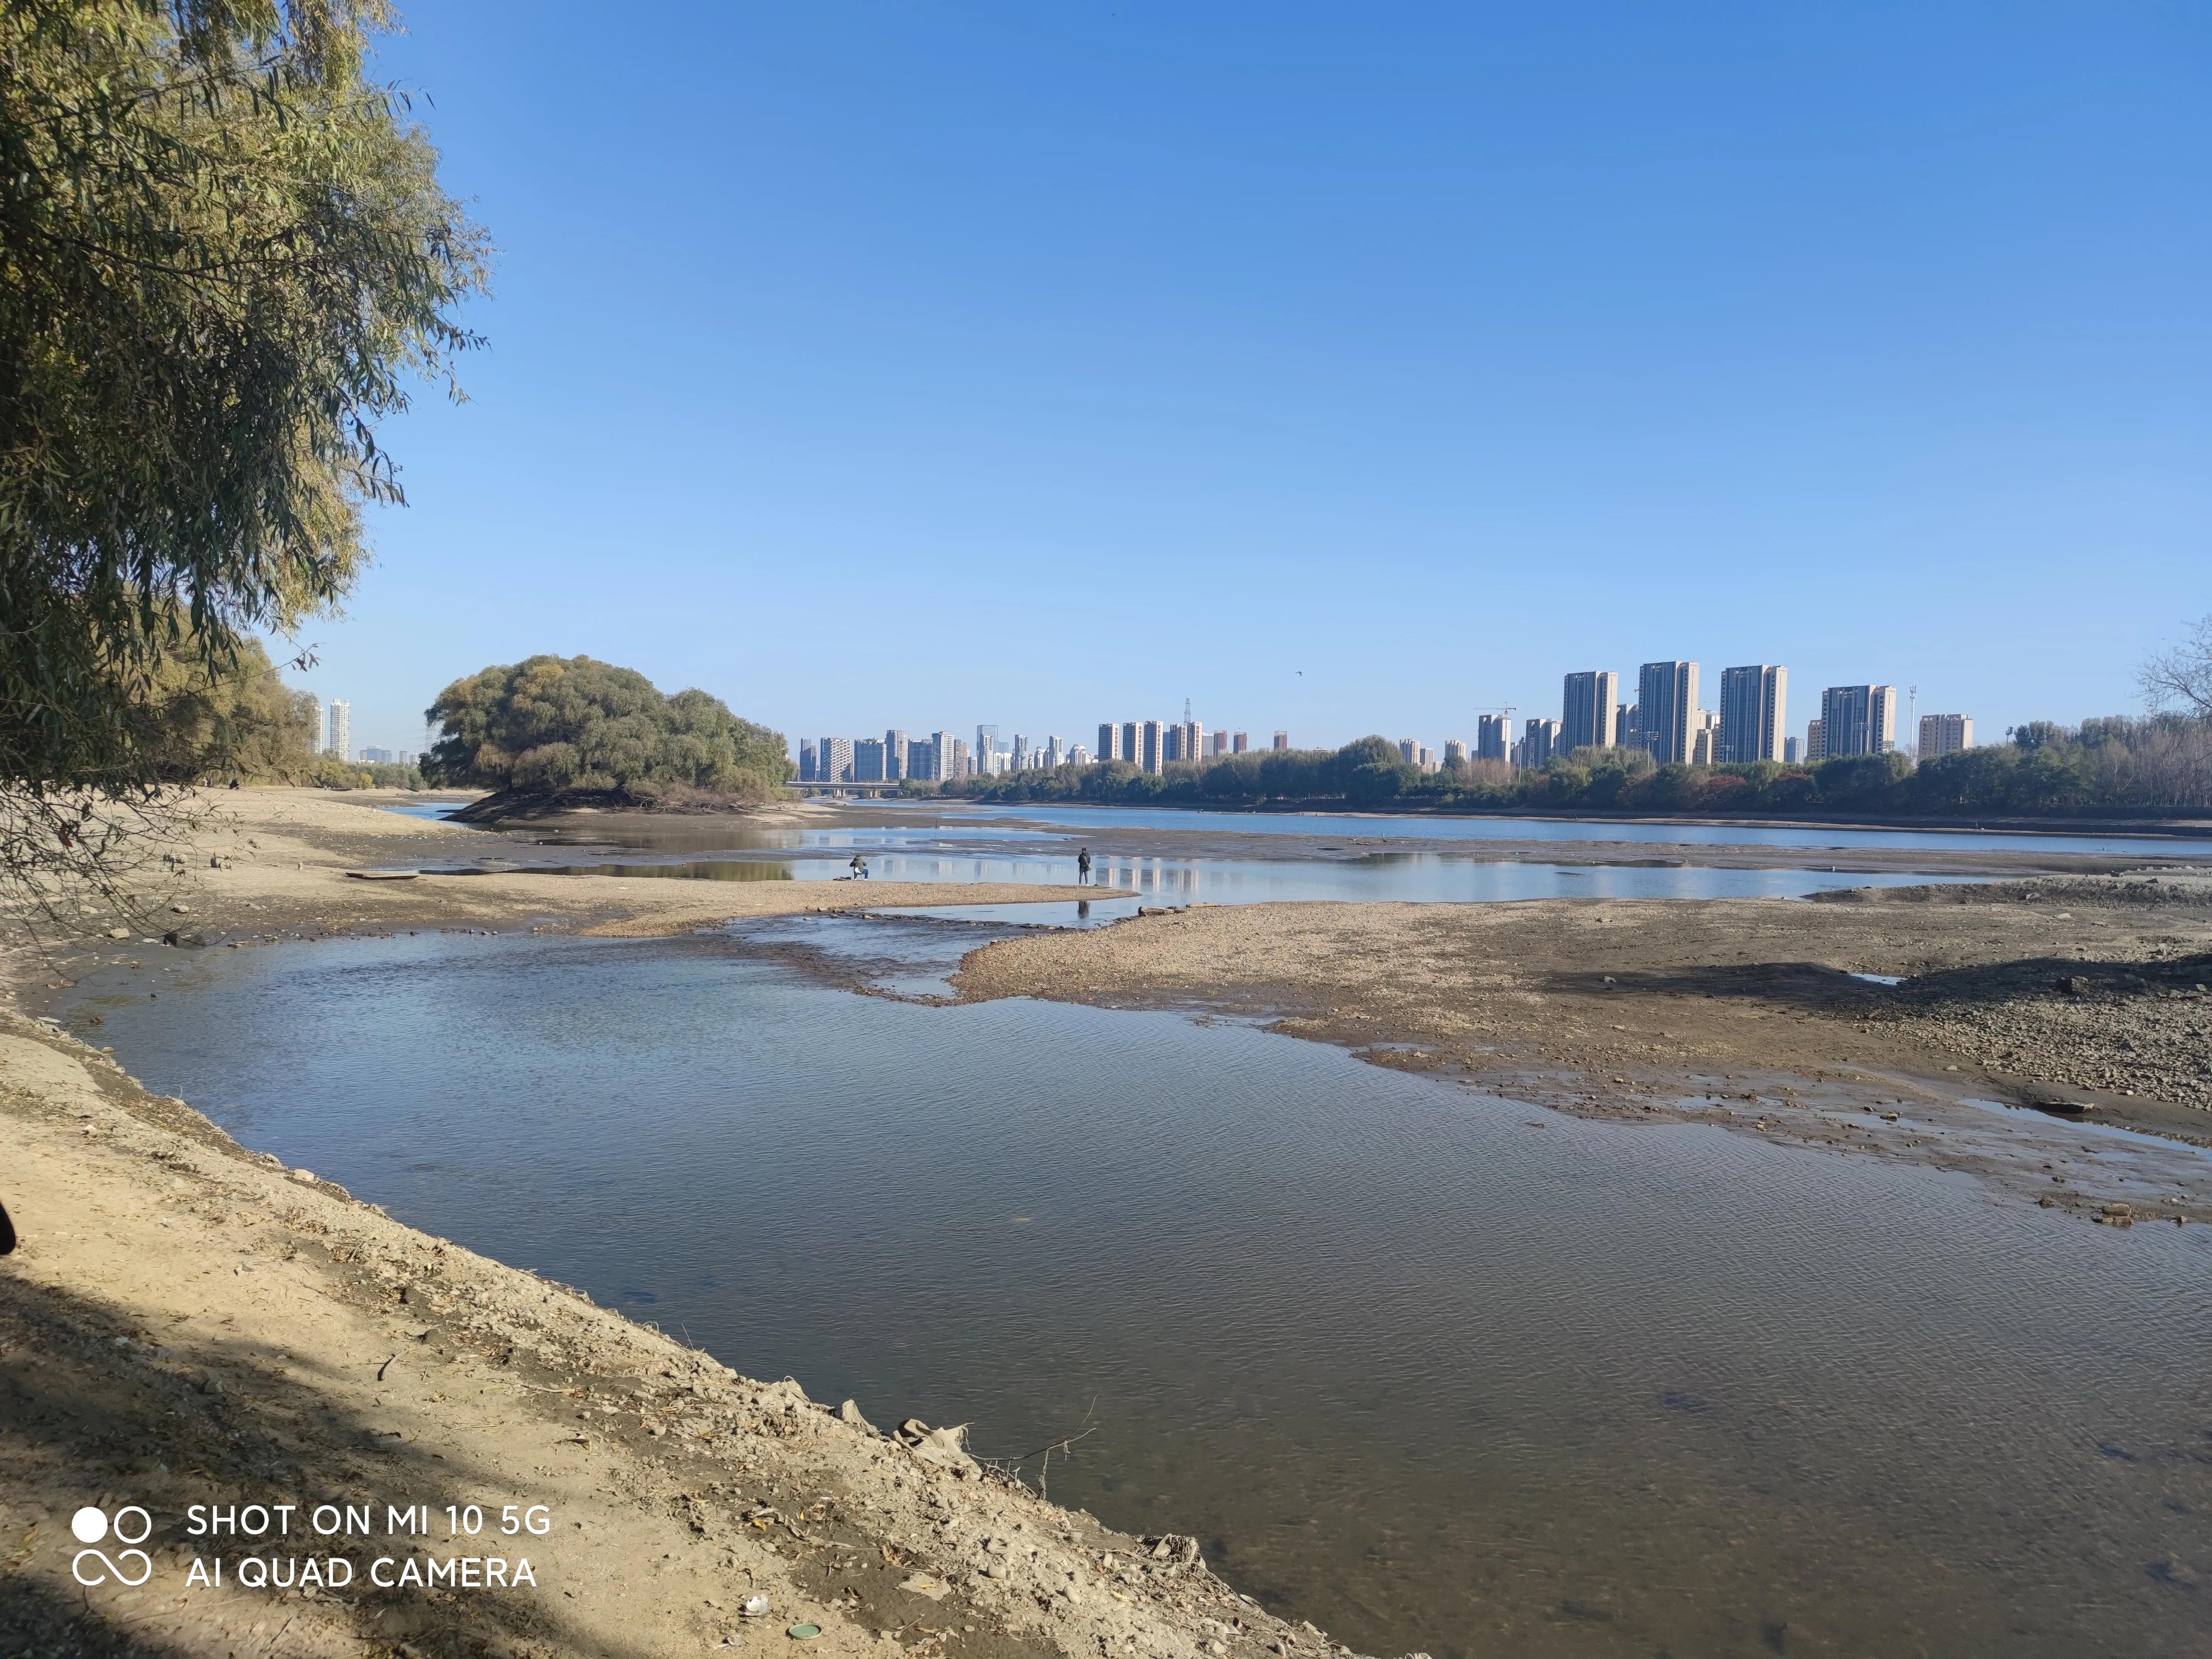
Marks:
<point>1411,877</point>
<point>1426,828</point>
<point>690,869</point>
<point>1436,1371</point>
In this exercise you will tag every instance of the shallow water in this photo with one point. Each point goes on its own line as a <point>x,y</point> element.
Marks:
<point>1436,1371</point>
<point>1412,877</point>
<point>949,826</point>
<point>1423,827</point>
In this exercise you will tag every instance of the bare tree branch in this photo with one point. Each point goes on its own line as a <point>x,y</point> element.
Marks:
<point>78,863</point>
<point>2182,677</point>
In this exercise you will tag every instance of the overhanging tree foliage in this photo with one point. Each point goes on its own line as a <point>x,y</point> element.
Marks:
<point>553,725</point>
<point>222,255</point>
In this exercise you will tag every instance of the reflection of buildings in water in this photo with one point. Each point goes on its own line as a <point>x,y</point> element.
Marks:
<point>1152,875</point>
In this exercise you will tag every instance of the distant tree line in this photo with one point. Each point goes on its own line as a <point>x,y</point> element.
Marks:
<point>2162,763</point>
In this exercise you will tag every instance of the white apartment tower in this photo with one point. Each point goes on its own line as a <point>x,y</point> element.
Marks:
<point>1945,734</point>
<point>341,739</point>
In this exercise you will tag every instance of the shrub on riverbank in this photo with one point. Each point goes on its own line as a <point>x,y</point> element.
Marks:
<point>2161,764</point>
<point>552,727</point>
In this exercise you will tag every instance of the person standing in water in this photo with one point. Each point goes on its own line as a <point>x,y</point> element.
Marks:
<point>1082,867</point>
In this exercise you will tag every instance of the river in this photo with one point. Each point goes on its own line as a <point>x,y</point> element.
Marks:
<point>1432,1368</point>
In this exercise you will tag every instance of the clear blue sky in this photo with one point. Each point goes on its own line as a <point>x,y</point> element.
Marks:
<point>917,364</point>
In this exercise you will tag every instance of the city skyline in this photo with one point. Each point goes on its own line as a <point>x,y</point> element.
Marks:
<point>1404,419</point>
<point>1668,722</point>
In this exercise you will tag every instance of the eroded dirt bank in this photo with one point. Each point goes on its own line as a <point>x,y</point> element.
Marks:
<point>2082,990</point>
<point>189,1323</point>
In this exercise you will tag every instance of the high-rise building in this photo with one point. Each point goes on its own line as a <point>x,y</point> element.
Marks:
<point>1586,713</point>
<point>1793,750</point>
<point>1667,706</point>
<point>1493,736</point>
<point>1408,751</point>
<point>1170,743</point>
<point>1109,741</point>
<point>1053,754</point>
<point>1193,743</point>
<point>1945,734</point>
<point>1150,738</point>
<point>1282,740</point>
<point>1704,737</point>
<point>986,742</point>
<point>806,753</point>
<point>1132,748</point>
<point>1539,741</point>
<point>960,765</point>
<point>833,762</point>
<point>868,760</point>
<point>314,726</point>
<point>1217,743</point>
<point>1021,753</point>
<point>1078,756</point>
<point>893,755</point>
<point>1816,745</point>
<point>1427,761</point>
<point>1858,720</point>
<point>1626,730</point>
<point>1455,752</point>
<point>341,743</point>
<point>944,748</point>
<point>1240,743</point>
<point>1754,711</point>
